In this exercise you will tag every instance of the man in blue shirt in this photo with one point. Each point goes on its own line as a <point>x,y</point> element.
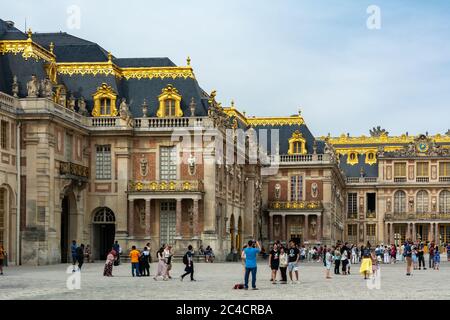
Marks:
<point>73,250</point>
<point>249,254</point>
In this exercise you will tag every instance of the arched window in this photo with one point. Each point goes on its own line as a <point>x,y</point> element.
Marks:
<point>444,202</point>
<point>169,102</point>
<point>352,158</point>
<point>422,201</point>
<point>169,108</point>
<point>400,202</point>
<point>104,102</point>
<point>297,144</point>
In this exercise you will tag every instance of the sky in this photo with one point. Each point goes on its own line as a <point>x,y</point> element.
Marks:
<point>276,57</point>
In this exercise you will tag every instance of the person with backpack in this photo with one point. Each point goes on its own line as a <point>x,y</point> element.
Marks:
<point>407,253</point>
<point>420,255</point>
<point>144,263</point>
<point>189,263</point>
<point>118,251</point>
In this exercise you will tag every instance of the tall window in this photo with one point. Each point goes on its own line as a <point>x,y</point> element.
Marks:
<point>105,107</point>
<point>103,162</point>
<point>169,108</point>
<point>422,201</point>
<point>352,207</point>
<point>400,202</point>
<point>4,134</point>
<point>370,230</point>
<point>168,163</point>
<point>444,169</point>
<point>400,170</point>
<point>422,169</point>
<point>444,201</point>
<point>296,188</point>
<point>69,147</point>
<point>352,230</point>
<point>2,214</point>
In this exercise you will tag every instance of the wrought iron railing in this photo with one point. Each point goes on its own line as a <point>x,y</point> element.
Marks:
<point>73,169</point>
<point>416,216</point>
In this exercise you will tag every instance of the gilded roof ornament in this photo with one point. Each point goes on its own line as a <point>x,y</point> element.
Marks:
<point>378,132</point>
<point>29,33</point>
<point>52,46</point>
<point>188,61</point>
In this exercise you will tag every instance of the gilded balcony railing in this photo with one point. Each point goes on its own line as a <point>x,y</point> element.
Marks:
<point>417,216</point>
<point>73,169</point>
<point>295,205</point>
<point>166,186</point>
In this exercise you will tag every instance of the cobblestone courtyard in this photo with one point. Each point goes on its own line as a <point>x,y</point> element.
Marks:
<point>215,281</point>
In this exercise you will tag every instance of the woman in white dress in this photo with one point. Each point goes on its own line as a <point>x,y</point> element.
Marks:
<point>386,255</point>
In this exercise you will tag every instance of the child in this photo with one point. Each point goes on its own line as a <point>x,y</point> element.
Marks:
<point>414,258</point>
<point>437,258</point>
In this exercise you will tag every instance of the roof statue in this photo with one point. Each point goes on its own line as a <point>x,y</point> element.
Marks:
<point>378,132</point>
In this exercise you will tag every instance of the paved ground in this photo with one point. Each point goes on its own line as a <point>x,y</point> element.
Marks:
<point>215,281</point>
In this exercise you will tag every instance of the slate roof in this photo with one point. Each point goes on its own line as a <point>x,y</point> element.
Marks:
<point>354,170</point>
<point>69,48</point>
<point>285,133</point>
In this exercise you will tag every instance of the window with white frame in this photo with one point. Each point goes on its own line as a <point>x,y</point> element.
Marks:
<point>400,202</point>
<point>168,163</point>
<point>296,188</point>
<point>422,201</point>
<point>444,201</point>
<point>103,162</point>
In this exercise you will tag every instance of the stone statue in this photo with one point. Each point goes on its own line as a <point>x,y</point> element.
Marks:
<point>71,104</point>
<point>388,205</point>
<point>15,87</point>
<point>277,191</point>
<point>314,190</point>
<point>82,107</point>
<point>33,87</point>
<point>47,88</point>
<point>191,164</point>
<point>62,96</point>
<point>125,114</point>
<point>313,228</point>
<point>143,165</point>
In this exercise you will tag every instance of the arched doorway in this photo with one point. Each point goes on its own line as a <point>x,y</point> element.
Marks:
<point>68,225</point>
<point>239,235</point>
<point>104,225</point>
<point>232,232</point>
<point>7,223</point>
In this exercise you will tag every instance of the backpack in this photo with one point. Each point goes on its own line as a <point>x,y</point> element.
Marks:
<point>185,259</point>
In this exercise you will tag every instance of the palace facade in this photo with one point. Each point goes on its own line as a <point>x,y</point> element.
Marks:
<point>96,148</point>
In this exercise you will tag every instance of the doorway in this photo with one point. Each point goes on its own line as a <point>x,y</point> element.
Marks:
<point>64,230</point>
<point>167,222</point>
<point>104,225</point>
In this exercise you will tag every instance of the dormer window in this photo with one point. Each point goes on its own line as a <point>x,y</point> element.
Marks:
<point>169,103</point>
<point>169,108</point>
<point>104,102</point>
<point>352,158</point>
<point>105,106</point>
<point>297,144</point>
<point>371,158</point>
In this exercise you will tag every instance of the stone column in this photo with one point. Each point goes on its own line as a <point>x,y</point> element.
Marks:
<point>319,228</point>
<point>305,228</point>
<point>130,218</point>
<point>270,227</point>
<point>414,231</point>
<point>195,219</point>
<point>147,218</point>
<point>178,217</point>
<point>436,233</point>
<point>283,227</point>
<point>391,233</point>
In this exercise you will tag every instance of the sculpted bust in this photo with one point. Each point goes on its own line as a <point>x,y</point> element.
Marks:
<point>143,165</point>
<point>33,87</point>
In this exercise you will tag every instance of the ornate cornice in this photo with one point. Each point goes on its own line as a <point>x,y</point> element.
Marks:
<point>27,48</point>
<point>276,121</point>
<point>109,68</point>
<point>383,139</point>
